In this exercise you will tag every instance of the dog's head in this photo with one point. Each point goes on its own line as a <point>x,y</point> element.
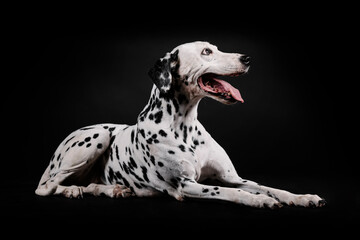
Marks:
<point>195,67</point>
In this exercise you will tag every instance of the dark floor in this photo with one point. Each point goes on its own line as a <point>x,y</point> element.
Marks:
<point>341,213</point>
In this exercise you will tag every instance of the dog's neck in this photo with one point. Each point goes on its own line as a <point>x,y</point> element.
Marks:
<point>173,110</point>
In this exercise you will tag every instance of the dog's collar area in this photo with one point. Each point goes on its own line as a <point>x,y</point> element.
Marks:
<point>210,84</point>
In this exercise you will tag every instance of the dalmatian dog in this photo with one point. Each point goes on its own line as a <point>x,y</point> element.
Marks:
<point>168,151</point>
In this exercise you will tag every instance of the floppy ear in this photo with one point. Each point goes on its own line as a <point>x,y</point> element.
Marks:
<point>161,72</point>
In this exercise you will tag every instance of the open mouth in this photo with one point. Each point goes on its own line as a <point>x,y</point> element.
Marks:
<point>220,88</point>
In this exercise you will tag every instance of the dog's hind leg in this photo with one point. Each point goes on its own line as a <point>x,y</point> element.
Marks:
<point>49,185</point>
<point>78,160</point>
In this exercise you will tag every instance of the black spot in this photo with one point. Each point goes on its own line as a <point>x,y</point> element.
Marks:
<point>132,136</point>
<point>99,146</point>
<point>137,185</point>
<point>212,194</point>
<point>52,166</point>
<point>117,152</point>
<point>151,116</point>
<point>133,163</point>
<point>171,152</point>
<point>158,117</point>
<point>196,142</point>
<point>216,188</point>
<point>168,109</point>
<point>73,145</point>
<point>87,139</point>
<point>162,133</point>
<point>68,140</point>
<point>126,183</point>
<point>152,159</point>
<point>88,145</point>
<point>154,136</point>
<point>159,176</point>
<point>124,167</point>
<point>185,134</point>
<point>205,190</point>
<point>142,132</point>
<point>86,128</point>
<point>111,175</point>
<point>149,141</point>
<point>158,103</point>
<point>152,104</point>
<point>118,175</point>
<point>144,171</point>
<point>176,105</point>
<point>160,164</point>
<point>81,143</point>
<point>111,154</point>
<point>105,127</point>
<point>112,140</point>
<point>95,135</point>
<point>136,176</point>
<point>111,129</point>
<point>182,147</point>
<point>176,135</point>
<point>199,133</point>
<point>175,182</point>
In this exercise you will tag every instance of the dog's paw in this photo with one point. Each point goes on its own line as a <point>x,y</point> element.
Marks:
<point>73,192</point>
<point>121,191</point>
<point>262,201</point>
<point>308,200</point>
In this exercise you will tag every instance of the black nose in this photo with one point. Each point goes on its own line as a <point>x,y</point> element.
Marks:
<point>244,59</point>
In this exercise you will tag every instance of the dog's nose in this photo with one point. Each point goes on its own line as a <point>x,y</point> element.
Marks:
<point>245,59</point>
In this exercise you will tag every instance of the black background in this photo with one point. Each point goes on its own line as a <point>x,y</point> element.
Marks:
<point>289,134</point>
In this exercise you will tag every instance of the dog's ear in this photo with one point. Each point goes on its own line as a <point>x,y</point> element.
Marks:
<point>161,73</point>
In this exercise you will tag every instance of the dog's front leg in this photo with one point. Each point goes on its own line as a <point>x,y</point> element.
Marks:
<point>220,163</point>
<point>304,200</point>
<point>282,196</point>
<point>193,189</point>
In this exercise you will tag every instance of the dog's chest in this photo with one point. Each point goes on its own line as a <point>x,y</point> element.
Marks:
<point>143,154</point>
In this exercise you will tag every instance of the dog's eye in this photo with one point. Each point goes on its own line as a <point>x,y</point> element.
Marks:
<point>206,51</point>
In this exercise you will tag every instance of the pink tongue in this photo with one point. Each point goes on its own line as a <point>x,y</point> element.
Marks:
<point>228,87</point>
